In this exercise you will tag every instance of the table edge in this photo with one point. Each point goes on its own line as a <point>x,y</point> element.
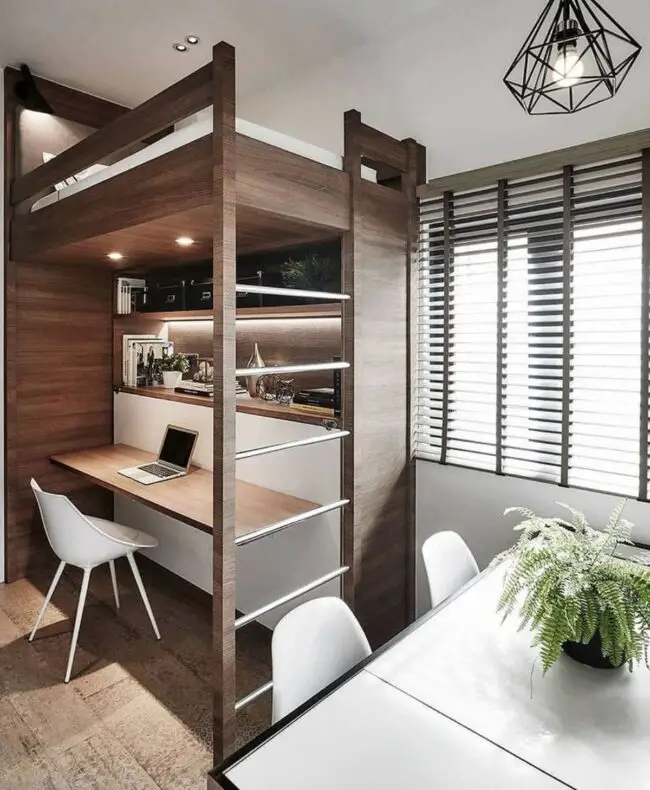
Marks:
<point>218,773</point>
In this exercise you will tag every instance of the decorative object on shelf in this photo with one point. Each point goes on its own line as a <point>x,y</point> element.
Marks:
<point>312,273</point>
<point>273,388</point>
<point>575,56</point>
<point>575,592</point>
<point>173,367</point>
<point>142,359</point>
<point>205,371</point>
<point>255,361</point>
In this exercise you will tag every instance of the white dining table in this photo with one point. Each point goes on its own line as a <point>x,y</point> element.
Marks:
<point>458,702</point>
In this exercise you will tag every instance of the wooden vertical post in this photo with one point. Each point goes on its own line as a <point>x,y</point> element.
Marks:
<point>378,542</point>
<point>224,262</point>
<point>414,175</point>
<point>9,276</point>
<point>352,165</point>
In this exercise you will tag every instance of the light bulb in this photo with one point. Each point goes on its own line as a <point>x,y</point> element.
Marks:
<point>568,68</point>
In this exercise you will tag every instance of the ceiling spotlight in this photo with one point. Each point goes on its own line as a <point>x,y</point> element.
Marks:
<point>29,95</point>
<point>180,47</point>
<point>192,40</point>
<point>115,256</point>
<point>184,241</point>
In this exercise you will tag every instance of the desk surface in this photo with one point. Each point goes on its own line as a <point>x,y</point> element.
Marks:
<point>188,499</point>
<point>460,703</point>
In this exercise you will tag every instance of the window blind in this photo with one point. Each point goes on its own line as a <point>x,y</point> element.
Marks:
<point>532,327</point>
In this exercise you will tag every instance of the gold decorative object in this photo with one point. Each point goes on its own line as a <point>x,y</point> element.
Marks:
<point>255,361</point>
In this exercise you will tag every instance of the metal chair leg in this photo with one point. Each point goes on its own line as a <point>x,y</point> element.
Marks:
<point>77,622</point>
<point>138,581</point>
<point>48,598</point>
<point>111,565</point>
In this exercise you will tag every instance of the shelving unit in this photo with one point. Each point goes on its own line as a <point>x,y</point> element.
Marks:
<point>242,313</point>
<point>259,408</point>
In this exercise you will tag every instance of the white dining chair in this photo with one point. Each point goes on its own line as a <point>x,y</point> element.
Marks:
<point>86,542</point>
<point>449,565</point>
<point>311,647</point>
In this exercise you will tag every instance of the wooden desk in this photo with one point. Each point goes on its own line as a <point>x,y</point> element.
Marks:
<point>188,499</point>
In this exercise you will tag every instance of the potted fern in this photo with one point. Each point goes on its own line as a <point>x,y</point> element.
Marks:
<point>575,593</point>
<point>173,368</point>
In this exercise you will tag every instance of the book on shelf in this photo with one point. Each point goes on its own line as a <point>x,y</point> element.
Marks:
<point>337,389</point>
<point>126,290</point>
<point>125,353</point>
<point>318,396</point>
<point>201,388</point>
<point>323,410</point>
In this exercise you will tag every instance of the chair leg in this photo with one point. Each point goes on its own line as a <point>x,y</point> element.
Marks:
<point>138,581</point>
<point>48,598</point>
<point>111,565</point>
<point>77,622</point>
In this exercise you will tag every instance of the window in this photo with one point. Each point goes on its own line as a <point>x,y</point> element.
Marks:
<point>532,328</point>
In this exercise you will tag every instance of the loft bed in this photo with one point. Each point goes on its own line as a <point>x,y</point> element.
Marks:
<point>287,192</point>
<point>233,189</point>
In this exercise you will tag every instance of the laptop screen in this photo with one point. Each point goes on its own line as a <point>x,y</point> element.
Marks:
<point>177,447</point>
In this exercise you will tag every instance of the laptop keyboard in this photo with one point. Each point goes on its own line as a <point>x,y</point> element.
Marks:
<point>158,470</point>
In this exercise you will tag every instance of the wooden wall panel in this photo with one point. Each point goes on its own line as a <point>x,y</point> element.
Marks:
<point>59,396</point>
<point>376,259</point>
<point>281,341</point>
<point>376,474</point>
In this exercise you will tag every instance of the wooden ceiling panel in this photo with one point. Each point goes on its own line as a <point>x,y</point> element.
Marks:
<point>154,243</point>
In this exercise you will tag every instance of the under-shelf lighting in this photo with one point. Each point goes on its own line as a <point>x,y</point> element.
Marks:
<point>184,241</point>
<point>115,256</point>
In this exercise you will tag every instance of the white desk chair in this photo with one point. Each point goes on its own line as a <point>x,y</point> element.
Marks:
<point>312,646</point>
<point>449,564</point>
<point>86,542</point>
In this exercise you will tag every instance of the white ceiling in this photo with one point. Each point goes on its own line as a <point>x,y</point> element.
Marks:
<point>122,49</point>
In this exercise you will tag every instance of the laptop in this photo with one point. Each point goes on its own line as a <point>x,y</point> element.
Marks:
<point>173,459</point>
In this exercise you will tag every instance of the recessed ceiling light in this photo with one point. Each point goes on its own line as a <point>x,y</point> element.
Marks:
<point>115,256</point>
<point>184,241</point>
<point>180,47</point>
<point>192,40</point>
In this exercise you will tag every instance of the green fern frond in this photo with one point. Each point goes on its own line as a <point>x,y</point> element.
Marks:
<point>567,584</point>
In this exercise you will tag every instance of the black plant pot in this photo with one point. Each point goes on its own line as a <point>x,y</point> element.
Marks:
<point>590,654</point>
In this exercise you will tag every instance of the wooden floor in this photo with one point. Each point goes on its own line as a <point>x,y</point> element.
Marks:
<point>137,712</point>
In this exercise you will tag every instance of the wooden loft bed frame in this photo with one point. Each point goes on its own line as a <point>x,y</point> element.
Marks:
<point>232,194</point>
<point>281,198</point>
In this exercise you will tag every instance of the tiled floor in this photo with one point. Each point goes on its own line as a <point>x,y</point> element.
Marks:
<point>137,713</point>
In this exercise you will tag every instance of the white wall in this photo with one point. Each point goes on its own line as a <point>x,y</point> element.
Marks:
<point>440,81</point>
<point>266,569</point>
<point>472,503</point>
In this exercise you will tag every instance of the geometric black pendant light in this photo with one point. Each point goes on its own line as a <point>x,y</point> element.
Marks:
<point>576,56</point>
<point>29,95</point>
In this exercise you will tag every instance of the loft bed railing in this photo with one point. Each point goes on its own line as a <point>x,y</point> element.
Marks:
<point>162,111</point>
